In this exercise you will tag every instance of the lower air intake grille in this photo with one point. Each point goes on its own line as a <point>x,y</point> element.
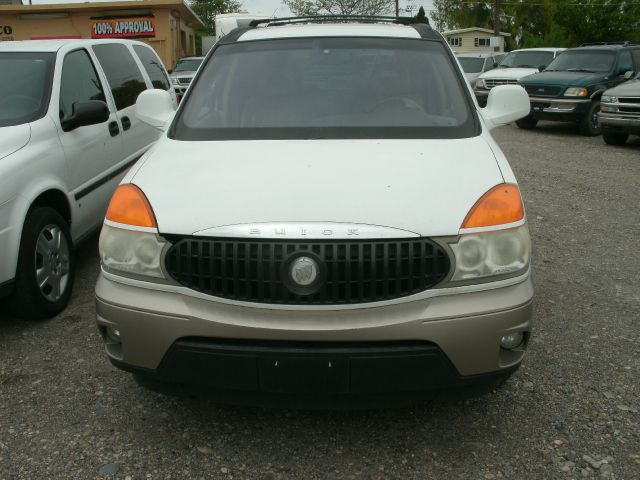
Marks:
<point>347,271</point>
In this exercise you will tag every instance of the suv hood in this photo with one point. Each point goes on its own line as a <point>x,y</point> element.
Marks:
<point>422,186</point>
<point>509,73</point>
<point>630,88</point>
<point>13,138</point>
<point>565,79</point>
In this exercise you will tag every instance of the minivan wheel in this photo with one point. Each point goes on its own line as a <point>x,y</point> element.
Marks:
<point>45,273</point>
<point>588,124</point>
<point>615,138</point>
<point>527,123</point>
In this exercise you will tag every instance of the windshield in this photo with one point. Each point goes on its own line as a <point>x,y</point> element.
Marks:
<point>326,88</point>
<point>527,59</point>
<point>471,65</point>
<point>190,65</point>
<point>584,61</point>
<point>25,85</point>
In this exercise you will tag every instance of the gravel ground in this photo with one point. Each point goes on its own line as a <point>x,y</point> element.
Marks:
<point>571,411</point>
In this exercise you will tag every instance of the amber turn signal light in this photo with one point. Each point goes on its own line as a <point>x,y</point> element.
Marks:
<point>500,205</point>
<point>131,207</point>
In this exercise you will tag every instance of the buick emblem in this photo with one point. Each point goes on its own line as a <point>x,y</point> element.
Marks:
<point>303,271</point>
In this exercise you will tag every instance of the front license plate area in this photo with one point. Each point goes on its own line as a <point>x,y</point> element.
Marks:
<point>303,375</point>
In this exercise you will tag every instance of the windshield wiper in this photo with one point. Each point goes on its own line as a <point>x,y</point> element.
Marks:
<point>580,70</point>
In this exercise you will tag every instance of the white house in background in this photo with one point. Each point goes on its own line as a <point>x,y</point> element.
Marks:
<point>472,40</point>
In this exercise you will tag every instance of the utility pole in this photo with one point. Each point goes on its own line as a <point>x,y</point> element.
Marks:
<point>397,8</point>
<point>496,22</point>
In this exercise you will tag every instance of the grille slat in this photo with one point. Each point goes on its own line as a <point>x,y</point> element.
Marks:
<point>494,82</point>
<point>356,271</point>
<point>542,90</point>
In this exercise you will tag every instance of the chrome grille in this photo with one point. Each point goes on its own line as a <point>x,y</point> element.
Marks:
<point>494,82</point>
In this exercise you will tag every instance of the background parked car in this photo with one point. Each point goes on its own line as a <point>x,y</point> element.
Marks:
<point>68,134</point>
<point>474,64</point>
<point>569,90</point>
<point>183,73</point>
<point>516,65</point>
<point>619,114</point>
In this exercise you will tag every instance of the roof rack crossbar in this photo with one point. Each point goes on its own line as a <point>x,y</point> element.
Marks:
<point>334,19</point>
<point>593,44</point>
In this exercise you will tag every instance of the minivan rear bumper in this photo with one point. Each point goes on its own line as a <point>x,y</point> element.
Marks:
<point>440,341</point>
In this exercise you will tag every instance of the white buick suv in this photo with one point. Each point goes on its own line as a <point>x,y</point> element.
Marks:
<point>326,217</point>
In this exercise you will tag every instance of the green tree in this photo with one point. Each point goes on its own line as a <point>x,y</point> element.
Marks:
<point>452,14</point>
<point>560,23</point>
<point>598,20</point>
<point>340,7</point>
<point>421,16</point>
<point>208,9</point>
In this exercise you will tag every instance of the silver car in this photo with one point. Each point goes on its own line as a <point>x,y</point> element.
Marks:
<point>183,73</point>
<point>475,64</point>
<point>619,114</point>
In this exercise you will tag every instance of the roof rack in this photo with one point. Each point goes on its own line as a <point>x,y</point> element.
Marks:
<point>593,44</point>
<point>335,19</point>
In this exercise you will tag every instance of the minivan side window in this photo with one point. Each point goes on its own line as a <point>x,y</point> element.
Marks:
<point>153,67</point>
<point>79,82</point>
<point>124,76</point>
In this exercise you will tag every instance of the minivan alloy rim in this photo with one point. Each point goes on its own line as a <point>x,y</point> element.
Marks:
<point>52,262</point>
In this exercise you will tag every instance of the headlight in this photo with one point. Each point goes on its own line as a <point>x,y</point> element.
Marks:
<point>480,83</point>
<point>575,92</point>
<point>131,252</point>
<point>487,254</point>
<point>609,99</point>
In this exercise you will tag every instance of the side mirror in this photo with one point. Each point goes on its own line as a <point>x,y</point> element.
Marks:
<point>624,70</point>
<point>628,75</point>
<point>90,112</point>
<point>541,67</point>
<point>506,104</point>
<point>155,107</point>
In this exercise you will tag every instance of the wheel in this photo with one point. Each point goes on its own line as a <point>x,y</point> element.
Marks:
<point>615,138</point>
<point>527,123</point>
<point>588,124</point>
<point>45,273</point>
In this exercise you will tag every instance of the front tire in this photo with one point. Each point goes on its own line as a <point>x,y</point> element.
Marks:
<point>46,267</point>
<point>588,124</point>
<point>615,138</point>
<point>527,123</point>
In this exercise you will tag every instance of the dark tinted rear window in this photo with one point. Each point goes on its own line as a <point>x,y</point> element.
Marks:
<point>153,66</point>
<point>327,88</point>
<point>124,76</point>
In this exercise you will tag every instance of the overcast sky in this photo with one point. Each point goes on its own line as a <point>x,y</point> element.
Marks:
<point>271,6</point>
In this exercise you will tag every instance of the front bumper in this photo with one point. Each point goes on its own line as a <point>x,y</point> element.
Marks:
<point>178,337</point>
<point>559,109</point>
<point>619,123</point>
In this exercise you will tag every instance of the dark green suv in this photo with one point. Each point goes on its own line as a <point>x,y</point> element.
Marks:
<point>569,89</point>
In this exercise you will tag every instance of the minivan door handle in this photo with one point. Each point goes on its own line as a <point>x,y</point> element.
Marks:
<point>114,129</point>
<point>126,123</point>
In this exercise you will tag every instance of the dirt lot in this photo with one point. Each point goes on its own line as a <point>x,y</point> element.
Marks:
<point>571,411</point>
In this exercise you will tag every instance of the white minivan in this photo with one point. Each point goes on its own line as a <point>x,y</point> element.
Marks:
<point>68,134</point>
<point>326,216</point>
